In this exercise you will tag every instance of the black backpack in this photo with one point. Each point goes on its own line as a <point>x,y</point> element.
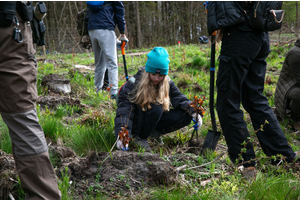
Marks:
<point>82,22</point>
<point>82,28</point>
<point>265,15</point>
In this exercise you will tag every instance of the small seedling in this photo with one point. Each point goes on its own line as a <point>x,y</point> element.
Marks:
<point>124,137</point>
<point>197,105</point>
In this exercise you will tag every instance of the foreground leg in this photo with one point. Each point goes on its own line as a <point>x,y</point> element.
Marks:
<point>35,170</point>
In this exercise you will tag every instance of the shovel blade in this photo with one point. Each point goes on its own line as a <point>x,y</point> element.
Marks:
<point>211,140</point>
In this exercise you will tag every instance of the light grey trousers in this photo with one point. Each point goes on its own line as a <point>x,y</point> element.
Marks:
<point>105,52</point>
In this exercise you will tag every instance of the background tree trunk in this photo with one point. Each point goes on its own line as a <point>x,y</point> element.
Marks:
<point>148,23</point>
<point>138,26</point>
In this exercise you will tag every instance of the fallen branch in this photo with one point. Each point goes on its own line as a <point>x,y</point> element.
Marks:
<point>135,180</point>
<point>11,196</point>
<point>203,183</point>
<point>217,158</point>
<point>184,166</point>
<point>13,180</point>
<point>115,143</point>
<point>180,168</point>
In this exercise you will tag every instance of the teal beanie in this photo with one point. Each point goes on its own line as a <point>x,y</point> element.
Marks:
<point>158,61</point>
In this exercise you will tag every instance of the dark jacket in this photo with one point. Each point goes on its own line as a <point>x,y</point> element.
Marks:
<point>108,16</point>
<point>288,79</point>
<point>221,14</point>
<point>132,115</point>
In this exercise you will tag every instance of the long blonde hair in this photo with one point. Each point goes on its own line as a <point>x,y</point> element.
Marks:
<point>147,92</point>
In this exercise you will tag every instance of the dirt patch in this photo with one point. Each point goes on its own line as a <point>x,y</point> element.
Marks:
<point>57,83</point>
<point>197,88</point>
<point>121,172</point>
<point>51,102</point>
<point>56,95</point>
<point>8,175</point>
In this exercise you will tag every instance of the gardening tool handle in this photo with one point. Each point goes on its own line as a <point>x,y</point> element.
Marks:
<point>212,82</point>
<point>123,53</point>
<point>123,47</point>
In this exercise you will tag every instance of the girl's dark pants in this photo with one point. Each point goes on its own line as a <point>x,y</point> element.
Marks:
<point>169,121</point>
<point>240,78</point>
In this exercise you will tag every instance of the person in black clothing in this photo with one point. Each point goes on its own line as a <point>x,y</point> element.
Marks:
<point>287,94</point>
<point>240,79</point>
<point>144,102</point>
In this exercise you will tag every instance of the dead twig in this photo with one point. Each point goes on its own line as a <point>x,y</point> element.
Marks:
<point>11,196</point>
<point>135,180</point>
<point>217,158</point>
<point>178,169</point>
<point>184,166</point>
<point>115,143</point>
<point>13,180</point>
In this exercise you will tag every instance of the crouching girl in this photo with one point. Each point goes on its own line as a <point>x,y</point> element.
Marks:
<point>145,101</point>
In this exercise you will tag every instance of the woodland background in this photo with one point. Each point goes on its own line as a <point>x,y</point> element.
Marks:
<point>150,23</point>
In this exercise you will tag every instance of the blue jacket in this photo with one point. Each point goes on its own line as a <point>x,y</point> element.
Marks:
<point>108,16</point>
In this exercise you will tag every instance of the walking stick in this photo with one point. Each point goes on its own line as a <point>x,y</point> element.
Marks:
<point>123,53</point>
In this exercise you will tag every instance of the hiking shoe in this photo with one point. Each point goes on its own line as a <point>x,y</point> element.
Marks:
<point>156,136</point>
<point>249,173</point>
<point>142,143</point>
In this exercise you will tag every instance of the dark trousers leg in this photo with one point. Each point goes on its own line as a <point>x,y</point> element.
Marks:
<point>172,121</point>
<point>106,80</point>
<point>241,78</point>
<point>272,138</point>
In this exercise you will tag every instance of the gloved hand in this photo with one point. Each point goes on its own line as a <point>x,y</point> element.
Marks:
<point>119,43</point>
<point>198,123</point>
<point>120,146</point>
<point>124,38</point>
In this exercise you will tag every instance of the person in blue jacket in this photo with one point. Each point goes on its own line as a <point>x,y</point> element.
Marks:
<point>103,18</point>
<point>145,101</point>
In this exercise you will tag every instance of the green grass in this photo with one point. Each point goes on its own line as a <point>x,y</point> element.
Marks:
<point>91,128</point>
<point>283,186</point>
<point>5,144</point>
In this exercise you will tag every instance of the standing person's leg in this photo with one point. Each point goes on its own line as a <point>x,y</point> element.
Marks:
<point>272,138</point>
<point>33,165</point>
<point>237,51</point>
<point>106,80</point>
<point>232,117</point>
<point>108,46</point>
<point>18,94</point>
<point>100,61</point>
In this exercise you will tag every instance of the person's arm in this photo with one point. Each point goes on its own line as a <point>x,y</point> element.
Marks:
<point>120,16</point>
<point>125,110</point>
<point>179,100</point>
